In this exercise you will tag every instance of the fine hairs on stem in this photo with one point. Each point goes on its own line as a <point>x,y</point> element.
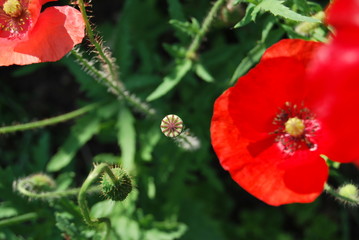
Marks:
<point>116,180</point>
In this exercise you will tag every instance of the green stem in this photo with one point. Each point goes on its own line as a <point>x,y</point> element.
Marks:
<point>207,22</point>
<point>21,186</point>
<point>49,121</point>
<point>97,45</point>
<point>334,193</point>
<point>18,219</point>
<point>95,174</point>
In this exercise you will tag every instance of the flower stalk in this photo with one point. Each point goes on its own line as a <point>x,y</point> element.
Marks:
<point>49,121</point>
<point>207,22</point>
<point>97,172</point>
<point>340,195</point>
<point>23,186</point>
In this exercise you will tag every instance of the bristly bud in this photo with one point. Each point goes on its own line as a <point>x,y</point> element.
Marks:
<point>350,192</point>
<point>118,190</point>
<point>40,182</point>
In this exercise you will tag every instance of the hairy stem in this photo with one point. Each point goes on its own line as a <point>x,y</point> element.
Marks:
<point>48,121</point>
<point>334,193</point>
<point>115,87</point>
<point>207,22</point>
<point>22,187</point>
<point>96,44</point>
<point>95,174</point>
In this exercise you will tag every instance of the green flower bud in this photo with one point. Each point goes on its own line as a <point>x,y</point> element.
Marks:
<point>119,190</point>
<point>40,182</point>
<point>351,192</point>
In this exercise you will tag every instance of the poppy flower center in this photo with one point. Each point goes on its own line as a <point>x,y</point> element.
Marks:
<point>295,128</point>
<point>15,19</point>
<point>12,8</point>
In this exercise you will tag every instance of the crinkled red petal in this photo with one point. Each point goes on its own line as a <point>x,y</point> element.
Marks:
<point>260,167</point>
<point>55,33</point>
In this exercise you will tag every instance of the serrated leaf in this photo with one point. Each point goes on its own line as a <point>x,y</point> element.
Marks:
<point>171,80</point>
<point>203,73</point>
<point>248,17</point>
<point>127,138</point>
<point>191,28</point>
<point>81,132</point>
<point>174,50</point>
<point>277,8</point>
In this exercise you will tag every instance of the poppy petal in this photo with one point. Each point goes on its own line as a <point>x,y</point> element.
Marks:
<point>333,76</point>
<point>293,48</point>
<point>56,32</point>
<point>264,173</point>
<point>258,96</point>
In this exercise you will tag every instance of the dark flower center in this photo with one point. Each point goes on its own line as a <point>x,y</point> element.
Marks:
<point>296,127</point>
<point>14,18</point>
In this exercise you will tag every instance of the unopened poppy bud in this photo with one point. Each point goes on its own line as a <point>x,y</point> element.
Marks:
<point>119,189</point>
<point>40,182</point>
<point>351,192</point>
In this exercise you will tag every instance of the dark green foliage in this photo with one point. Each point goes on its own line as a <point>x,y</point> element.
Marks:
<point>176,194</point>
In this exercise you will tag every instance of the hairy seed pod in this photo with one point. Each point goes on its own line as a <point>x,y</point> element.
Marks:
<point>172,125</point>
<point>116,191</point>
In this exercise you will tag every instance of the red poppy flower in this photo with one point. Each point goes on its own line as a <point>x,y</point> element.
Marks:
<point>334,74</point>
<point>266,132</point>
<point>28,36</point>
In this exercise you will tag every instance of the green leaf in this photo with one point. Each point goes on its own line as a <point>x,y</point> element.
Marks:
<point>149,140</point>
<point>191,28</point>
<point>248,17</point>
<point>127,138</point>
<point>64,180</point>
<point>175,10</point>
<point>7,210</point>
<point>41,151</point>
<point>81,132</point>
<point>171,80</point>
<point>277,8</point>
<point>252,57</point>
<point>175,50</point>
<point>203,73</point>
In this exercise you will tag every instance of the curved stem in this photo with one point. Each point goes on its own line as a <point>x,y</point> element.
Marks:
<point>191,52</point>
<point>18,219</point>
<point>21,186</point>
<point>49,121</point>
<point>95,174</point>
